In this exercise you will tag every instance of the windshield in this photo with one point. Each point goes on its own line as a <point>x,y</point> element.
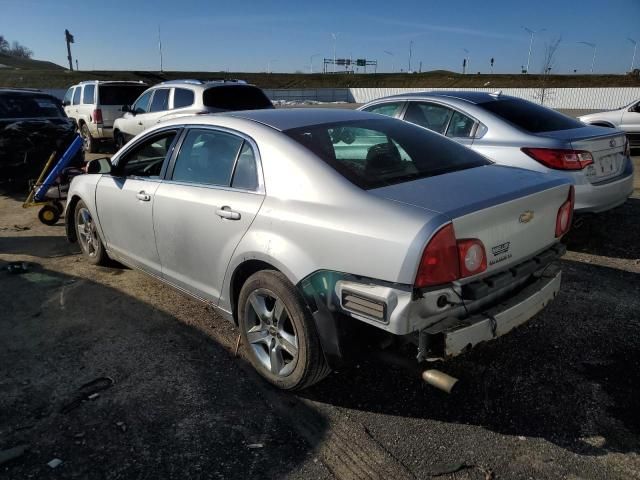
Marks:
<point>29,106</point>
<point>120,94</point>
<point>375,153</point>
<point>235,97</point>
<point>529,116</point>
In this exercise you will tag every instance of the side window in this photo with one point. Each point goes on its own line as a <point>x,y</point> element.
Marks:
<point>388,109</point>
<point>67,97</point>
<point>88,94</point>
<point>146,159</point>
<point>207,157</point>
<point>183,97</point>
<point>460,126</point>
<point>428,115</point>
<point>245,175</point>
<point>142,104</point>
<point>160,100</point>
<point>76,95</point>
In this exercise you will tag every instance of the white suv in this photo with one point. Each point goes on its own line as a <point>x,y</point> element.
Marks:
<point>626,118</point>
<point>178,98</point>
<point>95,105</point>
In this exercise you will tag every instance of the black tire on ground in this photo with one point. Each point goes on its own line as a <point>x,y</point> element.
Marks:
<point>89,143</point>
<point>118,139</point>
<point>310,364</point>
<point>49,215</point>
<point>59,206</point>
<point>88,237</point>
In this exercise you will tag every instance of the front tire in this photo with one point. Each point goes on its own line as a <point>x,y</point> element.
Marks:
<point>278,332</point>
<point>88,236</point>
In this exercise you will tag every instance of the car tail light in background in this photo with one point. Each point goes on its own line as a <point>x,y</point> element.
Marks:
<point>565,214</point>
<point>473,258</point>
<point>560,159</point>
<point>97,116</point>
<point>627,148</point>
<point>446,259</point>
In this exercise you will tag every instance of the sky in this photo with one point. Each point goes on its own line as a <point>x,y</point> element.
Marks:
<point>291,36</point>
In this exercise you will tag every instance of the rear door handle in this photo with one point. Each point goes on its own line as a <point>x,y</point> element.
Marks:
<point>141,195</point>
<point>226,212</point>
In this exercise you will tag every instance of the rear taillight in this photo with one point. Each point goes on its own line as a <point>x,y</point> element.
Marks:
<point>97,116</point>
<point>627,148</point>
<point>472,256</point>
<point>565,214</point>
<point>446,259</point>
<point>560,159</point>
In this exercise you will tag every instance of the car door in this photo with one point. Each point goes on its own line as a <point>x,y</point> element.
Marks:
<point>125,200</point>
<point>132,122</point>
<point>211,195</point>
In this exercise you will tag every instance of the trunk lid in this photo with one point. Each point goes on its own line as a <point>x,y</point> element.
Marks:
<point>511,210</point>
<point>605,144</point>
<point>110,113</point>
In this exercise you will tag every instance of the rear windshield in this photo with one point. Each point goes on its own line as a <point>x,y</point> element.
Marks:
<point>375,153</point>
<point>120,94</point>
<point>234,97</point>
<point>530,117</point>
<point>29,106</point>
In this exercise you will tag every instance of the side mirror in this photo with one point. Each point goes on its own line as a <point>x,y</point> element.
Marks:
<point>99,165</point>
<point>126,109</point>
<point>65,103</point>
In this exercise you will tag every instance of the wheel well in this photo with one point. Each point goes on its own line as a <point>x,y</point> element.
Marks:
<point>70,219</point>
<point>240,276</point>
<point>603,124</point>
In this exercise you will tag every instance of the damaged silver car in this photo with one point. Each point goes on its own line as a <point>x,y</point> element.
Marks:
<point>297,224</point>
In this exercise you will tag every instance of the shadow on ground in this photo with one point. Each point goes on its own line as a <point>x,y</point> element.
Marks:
<point>571,376</point>
<point>610,234</point>
<point>181,406</point>
<point>40,246</point>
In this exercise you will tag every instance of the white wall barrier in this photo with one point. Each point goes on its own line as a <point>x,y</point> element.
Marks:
<point>565,98</point>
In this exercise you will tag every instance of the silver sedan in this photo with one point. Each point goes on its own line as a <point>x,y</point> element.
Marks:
<point>513,131</point>
<point>299,225</point>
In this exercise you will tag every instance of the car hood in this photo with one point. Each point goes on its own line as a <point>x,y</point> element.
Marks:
<point>465,191</point>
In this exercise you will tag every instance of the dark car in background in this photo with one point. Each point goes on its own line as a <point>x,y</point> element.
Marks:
<point>32,126</point>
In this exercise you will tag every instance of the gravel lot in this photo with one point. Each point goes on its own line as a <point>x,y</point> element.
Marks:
<point>558,398</point>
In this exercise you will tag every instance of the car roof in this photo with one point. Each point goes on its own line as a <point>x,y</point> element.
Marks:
<point>467,96</point>
<point>26,91</point>
<point>205,84</point>
<point>288,118</point>
<point>112,82</point>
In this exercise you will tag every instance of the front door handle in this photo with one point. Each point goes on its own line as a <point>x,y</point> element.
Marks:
<point>226,212</point>
<point>139,123</point>
<point>141,195</point>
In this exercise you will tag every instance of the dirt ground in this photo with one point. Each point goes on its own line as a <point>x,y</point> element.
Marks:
<point>120,377</point>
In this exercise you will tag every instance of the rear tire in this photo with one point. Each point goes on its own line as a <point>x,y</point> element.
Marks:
<point>278,332</point>
<point>88,142</point>
<point>88,237</point>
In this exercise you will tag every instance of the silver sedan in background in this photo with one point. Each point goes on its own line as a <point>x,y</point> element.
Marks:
<point>512,131</point>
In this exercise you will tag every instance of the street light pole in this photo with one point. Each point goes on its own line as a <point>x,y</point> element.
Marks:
<point>410,51</point>
<point>392,56</point>
<point>533,34</point>
<point>633,58</point>
<point>335,38</point>
<point>593,60</point>
<point>269,64</point>
<point>311,61</point>
<point>465,65</point>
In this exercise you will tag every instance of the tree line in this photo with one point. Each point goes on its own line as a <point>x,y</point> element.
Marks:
<point>15,49</point>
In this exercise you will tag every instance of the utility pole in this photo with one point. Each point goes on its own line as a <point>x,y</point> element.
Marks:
<point>69,38</point>
<point>392,63</point>
<point>335,38</point>
<point>491,63</point>
<point>77,69</point>
<point>311,61</point>
<point>160,49</point>
<point>465,63</point>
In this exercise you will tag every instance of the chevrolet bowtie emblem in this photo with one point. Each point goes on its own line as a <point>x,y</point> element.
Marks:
<point>526,217</point>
